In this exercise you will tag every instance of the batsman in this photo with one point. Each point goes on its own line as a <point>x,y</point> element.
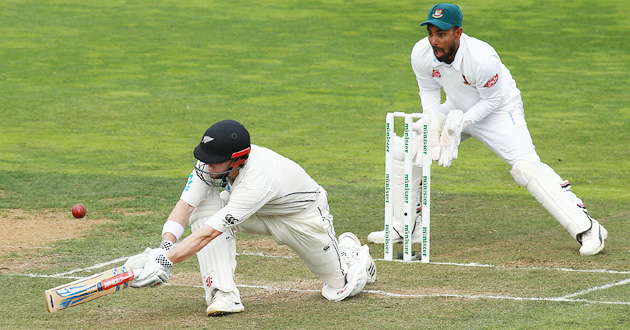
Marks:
<point>483,102</point>
<point>239,187</point>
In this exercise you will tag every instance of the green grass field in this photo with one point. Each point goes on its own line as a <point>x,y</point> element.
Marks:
<point>102,103</point>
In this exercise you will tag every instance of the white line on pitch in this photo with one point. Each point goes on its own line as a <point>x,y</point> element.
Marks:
<point>78,270</point>
<point>602,287</point>
<point>560,299</point>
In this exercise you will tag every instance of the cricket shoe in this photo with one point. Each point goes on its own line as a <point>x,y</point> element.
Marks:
<point>369,263</point>
<point>349,244</point>
<point>223,303</point>
<point>593,240</point>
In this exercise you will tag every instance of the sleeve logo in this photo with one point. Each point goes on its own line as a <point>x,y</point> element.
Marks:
<point>492,81</point>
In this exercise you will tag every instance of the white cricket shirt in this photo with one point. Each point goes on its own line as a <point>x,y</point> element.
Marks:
<point>476,82</point>
<point>268,184</point>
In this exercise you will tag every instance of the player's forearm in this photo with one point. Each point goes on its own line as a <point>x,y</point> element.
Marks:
<point>430,98</point>
<point>180,214</point>
<point>481,110</point>
<point>192,244</point>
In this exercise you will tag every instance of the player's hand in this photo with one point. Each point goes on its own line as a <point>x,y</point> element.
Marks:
<point>155,271</point>
<point>450,138</point>
<point>437,122</point>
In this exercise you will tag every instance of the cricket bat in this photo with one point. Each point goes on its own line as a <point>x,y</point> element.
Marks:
<point>90,288</point>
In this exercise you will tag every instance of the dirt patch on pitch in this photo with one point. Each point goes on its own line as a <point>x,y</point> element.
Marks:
<point>25,232</point>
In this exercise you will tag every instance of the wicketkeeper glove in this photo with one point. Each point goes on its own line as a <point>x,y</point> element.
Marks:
<point>451,137</point>
<point>437,122</point>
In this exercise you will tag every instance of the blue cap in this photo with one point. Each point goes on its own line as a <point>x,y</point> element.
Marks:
<point>444,16</point>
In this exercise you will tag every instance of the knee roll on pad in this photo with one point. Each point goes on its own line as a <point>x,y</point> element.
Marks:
<point>551,196</point>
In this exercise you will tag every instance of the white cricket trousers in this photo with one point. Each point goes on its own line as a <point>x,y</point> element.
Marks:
<point>309,233</point>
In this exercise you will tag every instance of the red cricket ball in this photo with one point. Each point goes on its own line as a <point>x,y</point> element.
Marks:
<point>79,210</point>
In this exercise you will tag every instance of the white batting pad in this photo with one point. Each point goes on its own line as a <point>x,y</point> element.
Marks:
<point>217,260</point>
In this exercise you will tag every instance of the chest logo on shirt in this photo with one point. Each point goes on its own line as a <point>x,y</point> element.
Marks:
<point>466,81</point>
<point>492,81</point>
<point>436,74</point>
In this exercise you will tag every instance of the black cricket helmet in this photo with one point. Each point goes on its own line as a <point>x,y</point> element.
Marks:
<point>225,140</point>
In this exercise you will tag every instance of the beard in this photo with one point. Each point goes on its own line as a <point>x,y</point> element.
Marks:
<point>445,56</point>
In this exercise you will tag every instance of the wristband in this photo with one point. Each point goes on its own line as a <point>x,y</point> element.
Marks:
<point>174,228</point>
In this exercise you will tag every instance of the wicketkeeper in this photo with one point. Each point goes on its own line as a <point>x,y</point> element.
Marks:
<point>482,101</point>
<point>239,187</point>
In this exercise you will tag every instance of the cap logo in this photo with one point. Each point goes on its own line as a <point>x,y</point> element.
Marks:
<point>437,13</point>
<point>207,139</point>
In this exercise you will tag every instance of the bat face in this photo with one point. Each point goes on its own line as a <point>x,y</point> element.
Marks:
<point>87,289</point>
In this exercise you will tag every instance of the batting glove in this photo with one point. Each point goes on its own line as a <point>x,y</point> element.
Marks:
<point>136,263</point>
<point>155,271</point>
<point>167,245</point>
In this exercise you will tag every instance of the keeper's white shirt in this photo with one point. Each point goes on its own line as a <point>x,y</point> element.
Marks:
<point>476,82</point>
<point>268,184</point>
